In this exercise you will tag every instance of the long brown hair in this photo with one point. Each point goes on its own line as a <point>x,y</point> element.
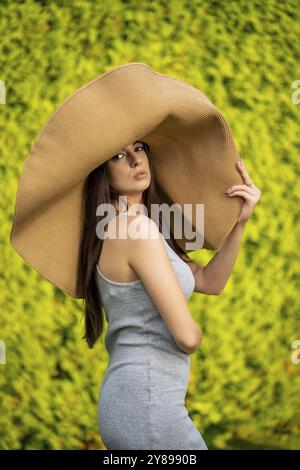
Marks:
<point>98,191</point>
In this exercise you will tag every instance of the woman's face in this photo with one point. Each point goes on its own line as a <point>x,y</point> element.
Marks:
<point>122,170</point>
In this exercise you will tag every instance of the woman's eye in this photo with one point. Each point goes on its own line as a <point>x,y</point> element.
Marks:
<point>115,157</point>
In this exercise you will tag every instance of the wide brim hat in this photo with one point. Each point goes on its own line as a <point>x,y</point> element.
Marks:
<point>192,148</point>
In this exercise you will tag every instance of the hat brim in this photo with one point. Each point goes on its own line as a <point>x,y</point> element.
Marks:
<point>193,152</point>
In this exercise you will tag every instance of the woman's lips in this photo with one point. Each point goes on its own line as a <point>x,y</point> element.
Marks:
<point>141,175</point>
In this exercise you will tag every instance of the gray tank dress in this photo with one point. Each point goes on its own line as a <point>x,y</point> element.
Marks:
<point>141,404</point>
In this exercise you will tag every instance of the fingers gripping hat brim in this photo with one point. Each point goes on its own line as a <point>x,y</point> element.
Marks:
<point>193,156</point>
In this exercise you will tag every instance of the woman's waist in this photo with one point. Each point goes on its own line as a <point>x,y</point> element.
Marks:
<point>160,359</point>
<point>163,373</point>
<point>154,336</point>
<point>143,344</point>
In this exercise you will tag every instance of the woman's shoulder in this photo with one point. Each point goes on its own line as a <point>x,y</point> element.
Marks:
<point>132,226</point>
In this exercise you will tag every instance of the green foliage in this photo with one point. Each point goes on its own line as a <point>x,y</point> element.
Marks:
<point>244,388</point>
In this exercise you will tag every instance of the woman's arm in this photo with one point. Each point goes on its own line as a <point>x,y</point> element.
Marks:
<point>212,278</point>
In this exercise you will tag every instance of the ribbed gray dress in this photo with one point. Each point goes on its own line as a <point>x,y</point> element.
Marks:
<point>141,402</point>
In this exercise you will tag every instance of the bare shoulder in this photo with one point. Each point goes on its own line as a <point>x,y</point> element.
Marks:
<point>142,227</point>
<point>133,232</point>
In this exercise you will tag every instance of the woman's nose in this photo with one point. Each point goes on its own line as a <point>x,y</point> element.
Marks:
<point>135,159</point>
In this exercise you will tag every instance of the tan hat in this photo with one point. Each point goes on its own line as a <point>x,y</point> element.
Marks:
<point>193,155</point>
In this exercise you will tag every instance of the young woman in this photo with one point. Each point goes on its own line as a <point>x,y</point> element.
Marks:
<point>143,285</point>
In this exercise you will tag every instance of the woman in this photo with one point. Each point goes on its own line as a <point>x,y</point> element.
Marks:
<point>143,284</point>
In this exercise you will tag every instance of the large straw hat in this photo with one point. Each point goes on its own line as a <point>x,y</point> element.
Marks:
<point>193,155</point>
